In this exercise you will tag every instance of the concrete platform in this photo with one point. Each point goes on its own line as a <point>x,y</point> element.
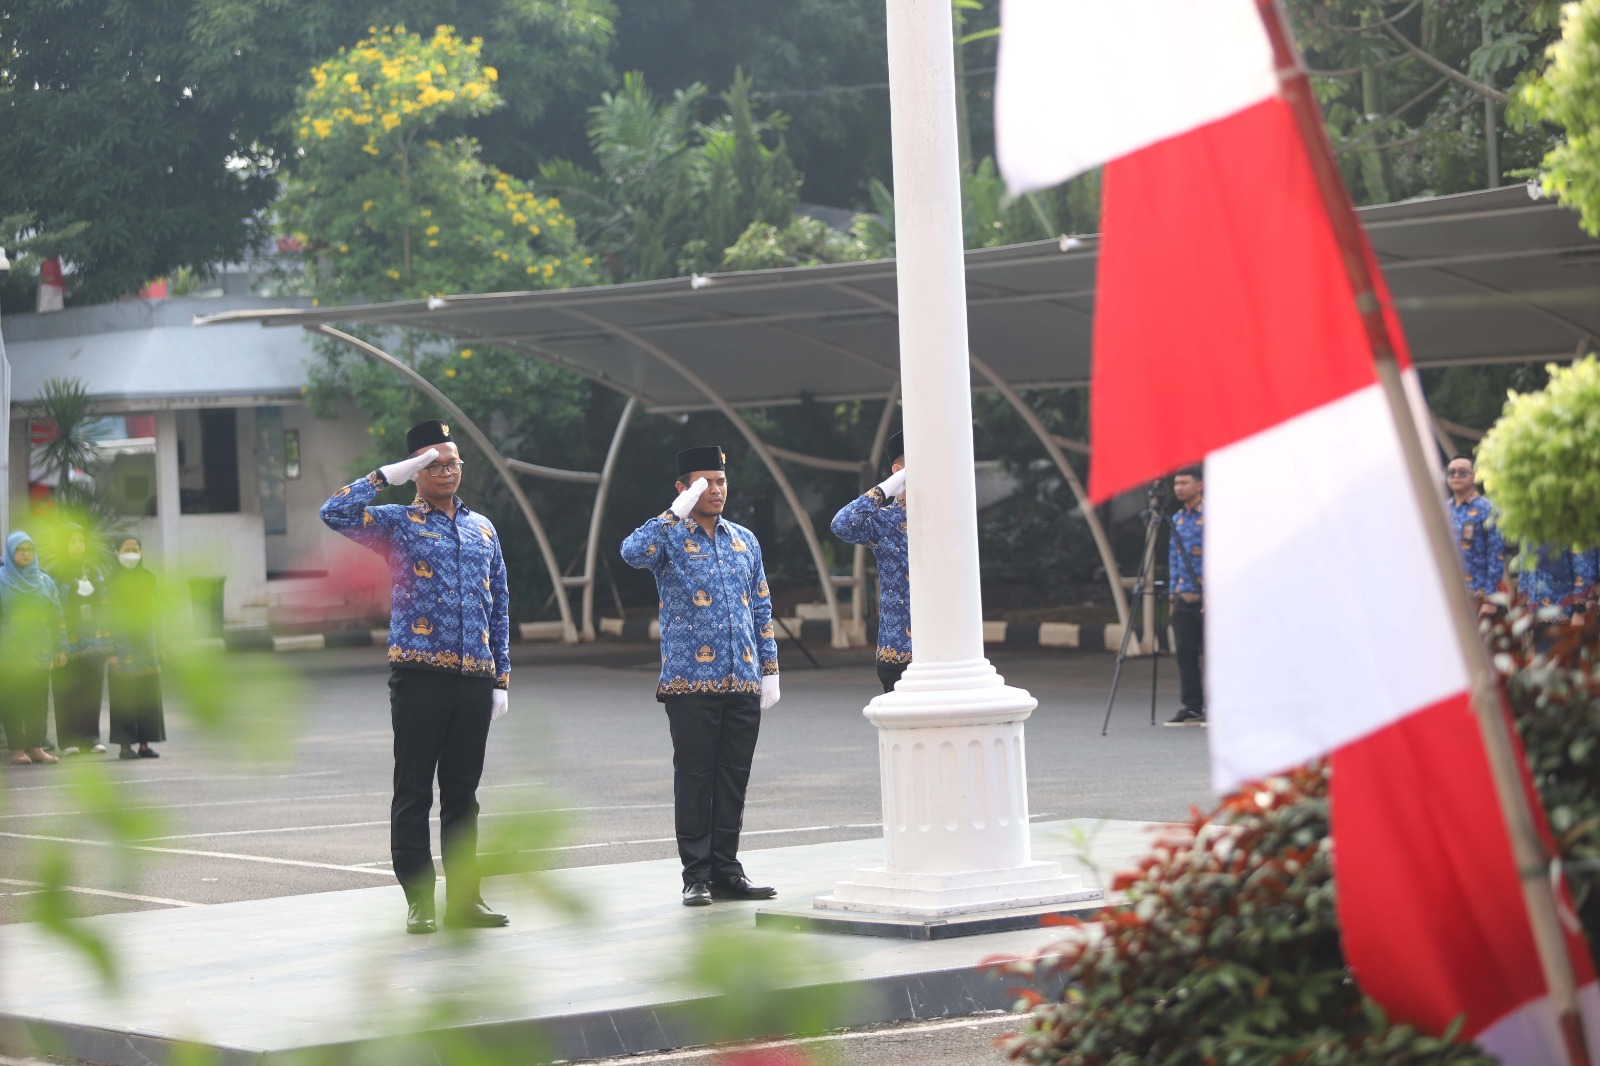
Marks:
<point>257,981</point>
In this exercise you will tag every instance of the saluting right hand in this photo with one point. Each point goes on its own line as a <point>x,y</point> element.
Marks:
<point>688,498</point>
<point>408,469</point>
<point>894,484</point>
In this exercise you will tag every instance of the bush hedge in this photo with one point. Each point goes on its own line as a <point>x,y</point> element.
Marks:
<point>1228,951</point>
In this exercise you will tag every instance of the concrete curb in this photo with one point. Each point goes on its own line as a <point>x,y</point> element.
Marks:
<point>1063,635</point>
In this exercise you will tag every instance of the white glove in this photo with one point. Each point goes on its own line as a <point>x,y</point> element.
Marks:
<point>688,498</point>
<point>499,704</point>
<point>408,469</point>
<point>769,691</point>
<point>894,484</point>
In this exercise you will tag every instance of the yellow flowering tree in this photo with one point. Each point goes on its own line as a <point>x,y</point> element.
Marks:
<point>388,202</point>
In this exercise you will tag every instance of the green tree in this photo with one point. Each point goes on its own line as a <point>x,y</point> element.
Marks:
<point>1567,94</point>
<point>1413,93</point>
<point>163,124</point>
<point>1539,462</point>
<point>671,193</point>
<point>388,203</point>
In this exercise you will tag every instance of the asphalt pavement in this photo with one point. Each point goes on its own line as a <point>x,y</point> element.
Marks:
<point>294,799</point>
<point>584,748</point>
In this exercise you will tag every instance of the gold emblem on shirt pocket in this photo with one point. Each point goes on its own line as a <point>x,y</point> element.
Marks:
<point>421,568</point>
<point>691,546</point>
<point>705,654</point>
<point>422,627</point>
<point>738,545</point>
<point>701,598</point>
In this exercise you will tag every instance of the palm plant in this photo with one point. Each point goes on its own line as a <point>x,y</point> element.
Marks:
<point>64,406</point>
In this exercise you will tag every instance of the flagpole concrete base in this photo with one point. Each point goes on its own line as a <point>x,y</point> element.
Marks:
<point>955,801</point>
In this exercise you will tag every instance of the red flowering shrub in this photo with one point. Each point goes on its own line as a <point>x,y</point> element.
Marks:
<point>1228,952</point>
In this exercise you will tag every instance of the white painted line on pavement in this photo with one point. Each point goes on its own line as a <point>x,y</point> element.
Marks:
<point>970,1022</point>
<point>104,892</point>
<point>673,840</point>
<point>385,821</point>
<point>254,801</point>
<point>125,783</point>
<point>200,854</point>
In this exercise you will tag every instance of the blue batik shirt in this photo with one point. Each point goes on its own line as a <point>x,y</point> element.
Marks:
<point>450,610</point>
<point>1559,578</point>
<point>880,523</point>
<point>1187,540</point>
<point>1478,540</point>
<point>716,609</point>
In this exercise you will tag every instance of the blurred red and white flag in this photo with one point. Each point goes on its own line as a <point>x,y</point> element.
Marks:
<point>52,286</point>
<point>1226,328</point>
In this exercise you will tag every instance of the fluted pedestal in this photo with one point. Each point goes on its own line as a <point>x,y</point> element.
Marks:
<point>953,768</point>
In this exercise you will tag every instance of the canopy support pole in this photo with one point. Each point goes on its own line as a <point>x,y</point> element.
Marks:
<point>1057,456</point>
<point>840,638</point>
<point>569,632</point>
<point>592,550</point>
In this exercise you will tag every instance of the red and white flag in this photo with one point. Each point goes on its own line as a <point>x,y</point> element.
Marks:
<point>1226,328</point>
<point>52,286</point>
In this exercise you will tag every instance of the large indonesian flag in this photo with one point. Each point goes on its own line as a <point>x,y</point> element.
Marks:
<point>1226,328</point>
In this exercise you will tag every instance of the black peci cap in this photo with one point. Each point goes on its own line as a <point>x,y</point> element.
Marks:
<point>896,448</point>
<point>708,458</point>
<point>424,434</point>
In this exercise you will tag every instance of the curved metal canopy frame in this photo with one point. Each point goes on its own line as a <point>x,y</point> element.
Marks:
<point>496,460</point>
<point>840,638</point>
<point>1052,447</point>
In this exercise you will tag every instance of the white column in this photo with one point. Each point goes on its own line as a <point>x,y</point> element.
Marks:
<point>950,740</point>
<point>168,505</point>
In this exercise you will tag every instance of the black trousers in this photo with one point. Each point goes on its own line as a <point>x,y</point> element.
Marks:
<point>25,708</point>
<point>1189,633</point>
<point>889,674</point>
<point>79,688</point>
<point>713,745</point>
<point>441,725</point>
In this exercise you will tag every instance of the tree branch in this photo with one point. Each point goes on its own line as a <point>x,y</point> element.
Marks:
<point>1446,69</point>
<point>1377,127</point>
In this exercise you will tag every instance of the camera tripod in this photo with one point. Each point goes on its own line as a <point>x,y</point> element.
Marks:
<point>1143,583</point>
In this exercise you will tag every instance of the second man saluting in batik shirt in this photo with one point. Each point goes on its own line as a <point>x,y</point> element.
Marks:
<point>716,609</point>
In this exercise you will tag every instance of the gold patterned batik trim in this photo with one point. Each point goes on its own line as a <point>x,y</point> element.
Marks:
<point>877,496</point>
<point>477,667</point>
<point>438,660</point>
<point>682,686</point>
<point>503,681</point>
<point>896,658</point>
<point>377,480</point>
<point>769,667</point>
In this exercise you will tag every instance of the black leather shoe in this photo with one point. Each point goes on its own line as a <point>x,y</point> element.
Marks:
<point>475,915</point>
<point>740,888</point>
<point>697,894</point>
<point>420,917</point>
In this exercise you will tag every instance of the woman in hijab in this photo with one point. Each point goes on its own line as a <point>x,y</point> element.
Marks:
<point>32,641</point>
<point>135,674</point>
<point>80,685</point>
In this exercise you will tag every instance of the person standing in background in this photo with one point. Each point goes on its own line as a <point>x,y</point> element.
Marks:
<point>1478,540</point>
<point>79,686</point>
<point>32,642</point>
<point>134,669</point>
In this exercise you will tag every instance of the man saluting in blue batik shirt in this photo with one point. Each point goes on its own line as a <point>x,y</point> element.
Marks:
<point>877,519</point>
<point>719,668</point>
<point>450,653</point>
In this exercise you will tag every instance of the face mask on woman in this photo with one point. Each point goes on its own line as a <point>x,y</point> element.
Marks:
<point>128,559</point>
